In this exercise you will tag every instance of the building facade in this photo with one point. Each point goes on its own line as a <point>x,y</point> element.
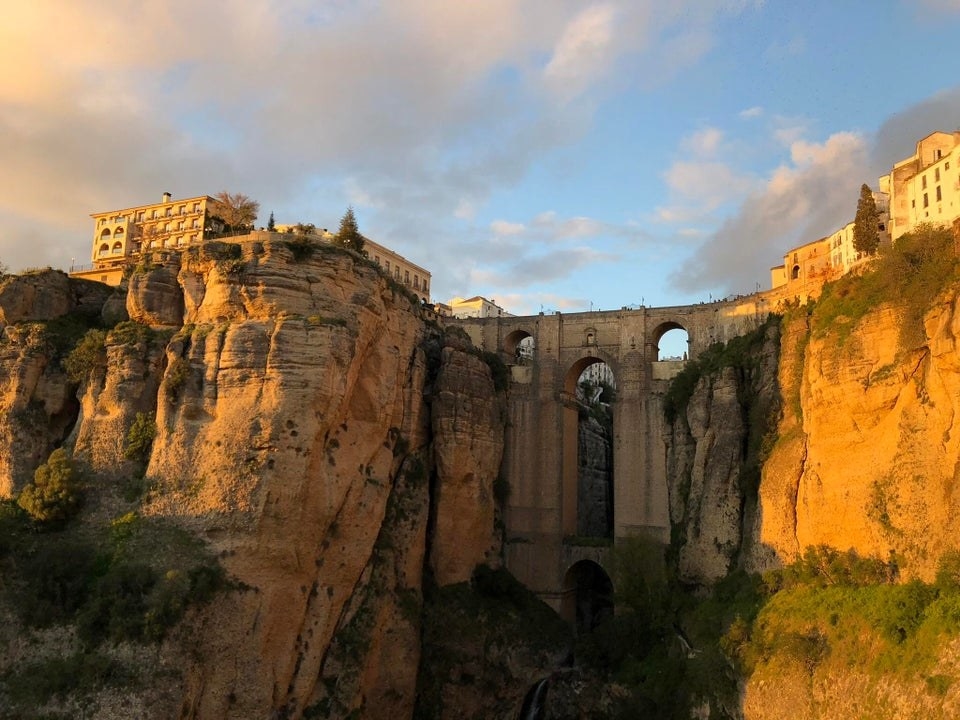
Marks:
<point>804,270</point>
<point>925,187</point>
<point>121,235</point>
<point>476,307</point>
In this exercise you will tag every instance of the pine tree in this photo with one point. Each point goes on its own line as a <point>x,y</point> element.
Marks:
<point>348,235</point>
<point>866,235</point>
<point>271,225</point>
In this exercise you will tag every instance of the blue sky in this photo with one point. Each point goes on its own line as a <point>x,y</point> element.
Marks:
<point>548,154</point>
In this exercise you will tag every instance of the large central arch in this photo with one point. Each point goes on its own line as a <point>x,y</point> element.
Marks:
<point>570,446</point>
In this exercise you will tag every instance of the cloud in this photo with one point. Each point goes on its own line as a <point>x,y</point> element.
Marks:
<point>704,142</point>
<point>541,268</point>
<point>502,227</point>
<point>897,137</point>
<point>701,186</point>
<point>802,200</point>
<point>751,112</point>
<point>582,53</point>
<point>939,6</point>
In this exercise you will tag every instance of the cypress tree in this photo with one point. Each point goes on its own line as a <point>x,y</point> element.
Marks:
<point>866,236</point>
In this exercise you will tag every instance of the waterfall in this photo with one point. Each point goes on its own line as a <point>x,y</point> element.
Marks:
<point>534,700</point>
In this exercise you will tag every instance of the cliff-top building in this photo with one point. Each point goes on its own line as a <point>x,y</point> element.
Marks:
<point>120,235</point>
<point>923,188</point>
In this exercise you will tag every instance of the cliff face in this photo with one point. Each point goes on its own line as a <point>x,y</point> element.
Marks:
<point>713,455</point>
<point>869,449</point>
<point>300,424</point>
<point>866,453</point>
<point>38,406</point>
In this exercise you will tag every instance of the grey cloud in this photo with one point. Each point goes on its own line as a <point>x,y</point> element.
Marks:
<point>798,205</point>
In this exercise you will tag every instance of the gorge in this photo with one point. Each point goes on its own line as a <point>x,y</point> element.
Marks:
<point>304,495</point>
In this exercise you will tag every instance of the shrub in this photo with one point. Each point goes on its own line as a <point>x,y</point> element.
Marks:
<point>177,375</point>
<point>54,581</point>
<point>34,685</point>
<point>301,247</point>
<point>129,332</point>
<point>56,493</point>
<point>86,355</point>
<point>140,438</point>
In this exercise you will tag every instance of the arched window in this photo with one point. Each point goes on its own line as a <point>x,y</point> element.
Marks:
<point>104,249</point>
<point>117,248</point>
<point>795,274</point>
<point>105,233</point>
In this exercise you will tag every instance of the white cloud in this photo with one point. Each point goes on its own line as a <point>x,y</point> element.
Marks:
<point>582,53</point>
<point>502,227</point>
<point>809,197</point>
<point>751,112</point>
<point>704,142</point>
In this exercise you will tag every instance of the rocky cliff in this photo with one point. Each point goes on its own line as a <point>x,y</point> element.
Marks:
<point>862,452</point>
<point>311,426</point>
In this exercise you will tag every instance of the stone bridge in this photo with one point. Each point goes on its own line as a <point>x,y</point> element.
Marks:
<point>543,549</point>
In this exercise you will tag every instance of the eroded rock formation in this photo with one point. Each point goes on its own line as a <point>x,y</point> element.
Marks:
<point>300,425</point>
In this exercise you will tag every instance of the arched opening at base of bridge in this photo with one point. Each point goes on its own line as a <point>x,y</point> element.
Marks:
<point>587,596</point>
<point>588,472</point>
<point>672,341</point>
<point>520,346</point>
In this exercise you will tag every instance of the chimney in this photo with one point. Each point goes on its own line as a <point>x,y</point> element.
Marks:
<point>166,197</point>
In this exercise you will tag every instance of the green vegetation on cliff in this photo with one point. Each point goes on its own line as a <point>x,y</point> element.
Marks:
<point>909,274</point>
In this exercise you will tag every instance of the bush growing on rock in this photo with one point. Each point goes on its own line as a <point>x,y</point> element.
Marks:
<point>56,493</point>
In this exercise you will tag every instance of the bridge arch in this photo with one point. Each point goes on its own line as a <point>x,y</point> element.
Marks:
<point>588,480</point>
<point>587,596</point>
<point>519,344</point>
<point>668,333</point>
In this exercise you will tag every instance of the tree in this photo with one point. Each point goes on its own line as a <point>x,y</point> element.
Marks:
<point>55,493</point>
<point>866,236</point>
<point>348,235</point>
<point>237,211</point>
<point>271,225</point>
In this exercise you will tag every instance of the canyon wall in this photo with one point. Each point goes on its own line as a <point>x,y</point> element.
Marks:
<point>862,450</point>
<point>311,426</point>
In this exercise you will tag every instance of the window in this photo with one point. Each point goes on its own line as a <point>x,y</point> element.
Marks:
<point>183,209</point>
<point>196,207</point>
<point>406,277</point>
<point>936,174</point>
<point>946,165</point>
<point>923,182</point>
<point>140,216</point>
<point>416,282</point>
<point>926,200</point>
<point>913,203</point>
<point>376,259</point>
<point>939,197</point>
